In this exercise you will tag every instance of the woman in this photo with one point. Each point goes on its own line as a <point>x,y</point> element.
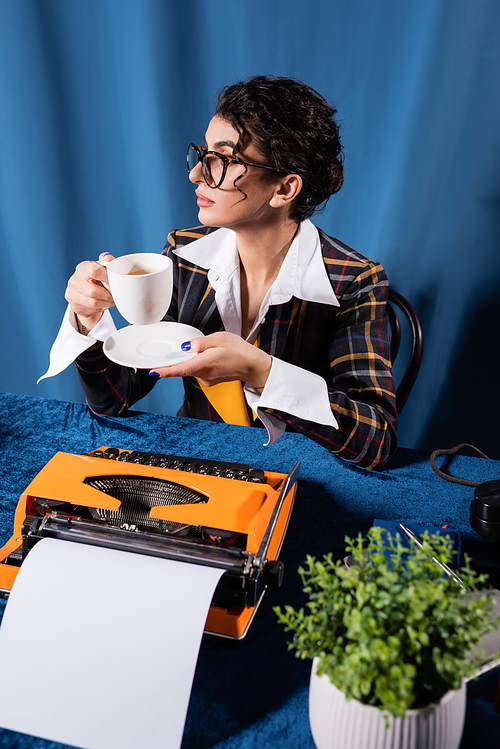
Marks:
<point>295,316</point>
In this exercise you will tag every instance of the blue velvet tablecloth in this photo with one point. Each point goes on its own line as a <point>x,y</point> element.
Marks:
<point>254,693</point>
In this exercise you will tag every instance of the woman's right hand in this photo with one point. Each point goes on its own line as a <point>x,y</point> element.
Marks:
<point>87,296</point>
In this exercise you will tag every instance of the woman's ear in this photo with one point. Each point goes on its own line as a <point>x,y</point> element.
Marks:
<point>286,191</point>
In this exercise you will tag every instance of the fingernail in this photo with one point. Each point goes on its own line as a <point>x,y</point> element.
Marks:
<point>153,374</point>
<point>186,346</point>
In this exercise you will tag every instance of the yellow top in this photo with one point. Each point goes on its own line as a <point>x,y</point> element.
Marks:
<point>229,401</point>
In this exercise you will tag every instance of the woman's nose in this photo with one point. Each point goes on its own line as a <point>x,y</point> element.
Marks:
<point>196,174</point>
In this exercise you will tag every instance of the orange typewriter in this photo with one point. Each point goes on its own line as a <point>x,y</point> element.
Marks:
<point>223,515</point>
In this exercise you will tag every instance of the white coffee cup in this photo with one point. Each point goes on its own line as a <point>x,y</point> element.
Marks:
<point>141,286</point>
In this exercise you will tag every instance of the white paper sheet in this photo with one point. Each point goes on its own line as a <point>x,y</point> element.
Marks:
<point>489,647</point>
<point>98,648</point>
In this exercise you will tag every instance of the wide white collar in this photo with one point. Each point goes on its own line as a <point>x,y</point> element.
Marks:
<point>302,275</point>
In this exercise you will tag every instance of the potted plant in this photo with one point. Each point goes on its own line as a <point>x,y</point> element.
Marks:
<point>392,640</point>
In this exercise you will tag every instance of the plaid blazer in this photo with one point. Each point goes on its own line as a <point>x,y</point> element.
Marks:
<point>347,345</point>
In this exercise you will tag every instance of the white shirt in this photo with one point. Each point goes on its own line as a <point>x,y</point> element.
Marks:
<point>302,275</point>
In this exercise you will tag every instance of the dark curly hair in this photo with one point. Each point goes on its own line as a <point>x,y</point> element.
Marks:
<point>294,129</point>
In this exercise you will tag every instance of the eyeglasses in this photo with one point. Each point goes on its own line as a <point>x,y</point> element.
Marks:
<point>214,165</point>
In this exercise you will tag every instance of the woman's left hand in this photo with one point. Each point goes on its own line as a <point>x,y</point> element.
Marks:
<point>222,357</point>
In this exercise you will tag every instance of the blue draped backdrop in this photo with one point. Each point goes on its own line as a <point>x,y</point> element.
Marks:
<point>98,99</point>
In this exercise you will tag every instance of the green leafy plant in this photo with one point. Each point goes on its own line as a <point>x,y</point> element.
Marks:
<point>391,630</point>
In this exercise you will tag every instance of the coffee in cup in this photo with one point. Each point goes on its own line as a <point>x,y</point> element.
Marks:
<point>140,272</point>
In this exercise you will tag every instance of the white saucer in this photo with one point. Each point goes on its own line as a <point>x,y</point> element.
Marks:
<point>149,346</point>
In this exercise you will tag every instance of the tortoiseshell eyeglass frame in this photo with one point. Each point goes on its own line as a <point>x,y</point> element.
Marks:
<point>203,152</point>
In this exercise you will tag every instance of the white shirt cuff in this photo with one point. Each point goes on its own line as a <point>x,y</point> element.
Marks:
<point>295,391</point>
<point>69,343</point>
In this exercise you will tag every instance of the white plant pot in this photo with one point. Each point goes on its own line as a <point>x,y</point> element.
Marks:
<point>337,723</point>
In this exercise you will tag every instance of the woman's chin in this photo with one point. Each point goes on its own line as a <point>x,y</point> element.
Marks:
<point>206,219</point>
